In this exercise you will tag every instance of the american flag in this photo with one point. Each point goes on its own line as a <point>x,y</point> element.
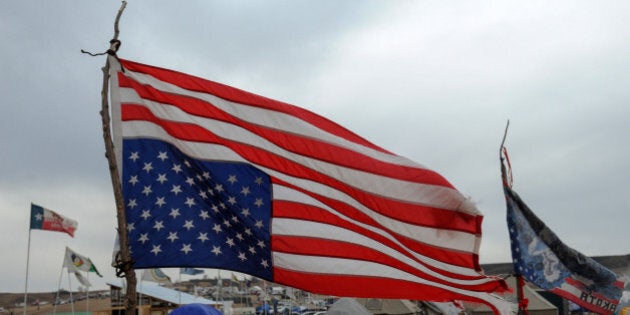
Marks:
<point>216,177</point>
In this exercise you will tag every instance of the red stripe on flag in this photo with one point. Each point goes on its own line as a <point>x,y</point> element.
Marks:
<point>355,286</point>
<point>411,214</point>
<point>331,248</point>
<point>193,83</point>
<point>577,299</point>
<point>284,209</point>
<point>189,132</point>
<point>291,142</point>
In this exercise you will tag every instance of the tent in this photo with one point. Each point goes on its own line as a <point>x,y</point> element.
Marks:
<point>196,309</point>
<point>255,288</point>
<point>347,306</point>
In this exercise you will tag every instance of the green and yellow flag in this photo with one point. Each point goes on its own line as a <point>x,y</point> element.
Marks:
<point>76,262</point>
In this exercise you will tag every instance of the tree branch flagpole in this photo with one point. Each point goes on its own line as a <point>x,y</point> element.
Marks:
<point>123,262</point>
<point>506,177</point>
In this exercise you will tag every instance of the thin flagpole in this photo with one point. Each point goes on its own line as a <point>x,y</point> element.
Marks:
<point>522,301</point>
<point>87,292</point>
<point>70,289</point>
<point>220,286</point>
<point>141,281</point>
<point>246,290</point>
<point>28,257</point>
<point>180,283</point>
<point>58,288</point>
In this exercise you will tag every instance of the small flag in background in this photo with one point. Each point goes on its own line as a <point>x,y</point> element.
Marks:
<point>545,261</point>
<point>155,275</point>
<point>216,177</point>
<point>82,279</point>
<point>45,219</point>
<point>74,261</point>
<point>190,271</point>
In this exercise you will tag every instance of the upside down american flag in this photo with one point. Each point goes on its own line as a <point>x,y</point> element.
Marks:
<point>217,177</point>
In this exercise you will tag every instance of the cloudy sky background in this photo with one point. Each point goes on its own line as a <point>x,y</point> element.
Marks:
<point>430,80</point>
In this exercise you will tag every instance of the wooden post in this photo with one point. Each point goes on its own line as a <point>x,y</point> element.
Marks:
<point>124,264</point>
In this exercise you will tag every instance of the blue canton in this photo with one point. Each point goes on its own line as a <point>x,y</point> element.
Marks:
<point>532,258</point>
<point>183,212</point>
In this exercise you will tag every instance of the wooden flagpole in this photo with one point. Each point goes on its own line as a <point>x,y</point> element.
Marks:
<point>124,264</point>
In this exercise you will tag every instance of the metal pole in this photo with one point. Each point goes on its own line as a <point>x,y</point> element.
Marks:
<point>87,292</point>
<point>58,288</point>
<point>28,257</point>
<point>70,289</point>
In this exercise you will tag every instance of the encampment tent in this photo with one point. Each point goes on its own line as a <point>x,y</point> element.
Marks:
<point>347,306</point>
<point>389,306</point>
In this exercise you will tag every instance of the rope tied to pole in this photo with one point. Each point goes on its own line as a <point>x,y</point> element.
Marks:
<point>122,266</point>
<point>114,45</point>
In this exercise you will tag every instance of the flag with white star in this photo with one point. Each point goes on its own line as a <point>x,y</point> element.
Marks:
<point>186,212</point>
<point>46,219</point>
<point>216,177</point>
<point>545,261</point>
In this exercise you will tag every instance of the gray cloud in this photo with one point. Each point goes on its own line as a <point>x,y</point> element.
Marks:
<point>430,81</point>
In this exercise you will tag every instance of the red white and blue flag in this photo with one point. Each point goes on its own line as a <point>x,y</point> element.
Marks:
<point>545,261</point>
<point>216,177</point>
<point>45,219</point>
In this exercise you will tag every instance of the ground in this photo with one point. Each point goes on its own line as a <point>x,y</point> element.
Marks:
<point>9,300</point>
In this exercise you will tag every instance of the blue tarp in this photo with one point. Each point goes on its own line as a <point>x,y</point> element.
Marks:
<point>196,309</point>
<point>265,308</point>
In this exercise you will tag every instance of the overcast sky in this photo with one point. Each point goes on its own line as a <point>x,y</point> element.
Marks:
<point>435,81</point>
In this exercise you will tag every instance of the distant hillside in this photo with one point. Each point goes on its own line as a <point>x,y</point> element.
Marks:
<point>14,300</point>
<point>9,300</point>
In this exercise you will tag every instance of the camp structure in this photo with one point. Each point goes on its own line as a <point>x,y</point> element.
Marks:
<point>154,299</point>
<point>618,264</point>
<point>371,306</point>
<point>537,304</point>
<point>347,306</point>
<point>390,307</point>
